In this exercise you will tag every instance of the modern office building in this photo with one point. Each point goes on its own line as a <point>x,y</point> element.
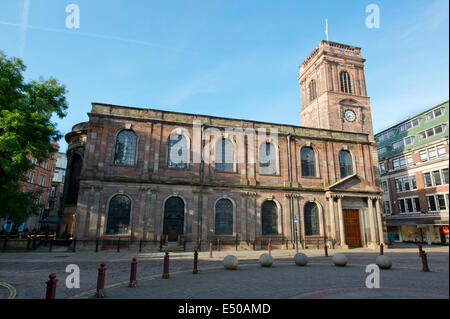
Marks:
<point>413,157</point>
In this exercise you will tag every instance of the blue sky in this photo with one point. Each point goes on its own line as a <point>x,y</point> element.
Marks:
<point>226,58</point>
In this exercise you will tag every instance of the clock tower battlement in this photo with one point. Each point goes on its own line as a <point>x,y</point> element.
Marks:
<point>333,89</point>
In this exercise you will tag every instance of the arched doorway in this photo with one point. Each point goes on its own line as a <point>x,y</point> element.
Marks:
<point>173,218</point>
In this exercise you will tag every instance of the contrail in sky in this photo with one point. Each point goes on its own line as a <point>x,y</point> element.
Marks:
<point>23,36</point>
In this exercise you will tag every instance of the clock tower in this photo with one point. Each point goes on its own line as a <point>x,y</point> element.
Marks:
<point>333,89</point>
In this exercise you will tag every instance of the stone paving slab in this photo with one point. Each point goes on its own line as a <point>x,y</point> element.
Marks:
<point>28,272</point>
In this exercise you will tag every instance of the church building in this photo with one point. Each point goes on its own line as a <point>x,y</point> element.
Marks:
<point>189,179</point>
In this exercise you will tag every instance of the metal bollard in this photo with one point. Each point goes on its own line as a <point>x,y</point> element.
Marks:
<point>96,245</point>
<point>100,293</point>
<point>28,243</point>
<point>74,245</point>
<point>326,249</point>
<point>166,266</point>
<point>254,245</point>
<point>269,247</point>
<point>51,287</point>
<point>210,250</point>
<point>50,249</point>
<point>218,244</point>
<point>140,246</point>
<point>118,246</point>
<point>317,244</point>
<point>133,281</point>
<point>424,262</point>
<point>236,244</point>
<point>381,249</point>
<point>5,241</point>
<point>420,250</point>
<point>195,271</point>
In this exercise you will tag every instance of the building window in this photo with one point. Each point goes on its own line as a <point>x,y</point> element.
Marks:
<point>346,85</point>
<point>409,140</point>
<point>345,163</point>
<point>178,152</point>
<point>387,208</point>
<point>432,153</point>
<point>435,113</point>
<point>385,136</point>
<point>118,215</point>
<point>74,180</point>
<point>384,186</point>
<point>31,175</point>
<point>308,162</point>
<point>417,204</point>
<point>42,180</point>
<point>312,91</point>
<point>402,162</point>
<point>436,178</point>
<point>53,191</point>
<point>125,148</point>
<point>432,131</point>
<point>413,182</point>
<point>437,202</point>
<point>267,159</point>
<point>398,145</point>
<point>224,155</point>
<point>269,218</point>
<point>311,215</point>
<point>382,150</point>
<point>224,218</point>
<point>382,168</point>
<point>406,126</point>
<point>431,203</point>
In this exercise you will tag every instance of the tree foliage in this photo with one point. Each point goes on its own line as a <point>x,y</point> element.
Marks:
<point>26,129</point>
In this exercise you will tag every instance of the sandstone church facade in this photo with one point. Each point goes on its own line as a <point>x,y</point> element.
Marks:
<point>322,186</point>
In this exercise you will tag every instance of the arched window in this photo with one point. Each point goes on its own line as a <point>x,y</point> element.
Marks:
<point>224,155</point>
<point>74,180</point>
<point>118,215</point>
<point>346,84</point>
<point>345,162</point>
<point>269,218</point>
<point>312,224</point>
<point>125,148</point>
<point>308,162</point>
<point>267,159</point>
<point>178,151</point>
<point>224,217</point>
<point>312,90</point>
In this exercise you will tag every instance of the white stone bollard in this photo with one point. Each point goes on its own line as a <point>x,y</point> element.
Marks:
<point>340,260</point>
<point>230,262</point>
<point>265,260</point>
<point>300,259</point>
<point>384,262</point>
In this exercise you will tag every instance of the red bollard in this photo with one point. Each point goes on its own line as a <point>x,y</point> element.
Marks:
<point>195,271</point>
<point>424,262</point>
<point>210,250</point>
<point>381,249</point>
<point>51,287</point>
<point>326,249</point>
<point>166,266</point>
<point>420,250</point>
<point>269,248</point>
<point>100,293</point>
<point>133,281</point>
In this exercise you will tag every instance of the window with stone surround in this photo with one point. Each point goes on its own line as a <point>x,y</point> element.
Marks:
<point>224,218</point>
<point>224,155</point>
<point>311,216</point>
<point>345,163</point>
<point>269,218</point>
<point>74,179</point>
<point>346,85</point>
<point>312,90</point>
<point>177,152</point>
<point>118,215</point>
<point>308,162</point>
<point>267,159</point>
<point>125,153</point>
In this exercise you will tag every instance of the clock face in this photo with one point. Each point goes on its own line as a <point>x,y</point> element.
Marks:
<point>349,115</point>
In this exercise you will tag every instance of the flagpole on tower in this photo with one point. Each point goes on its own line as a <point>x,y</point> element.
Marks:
<point>326,27</point>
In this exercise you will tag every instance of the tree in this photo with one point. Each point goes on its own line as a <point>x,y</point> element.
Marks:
<point>26,130</point>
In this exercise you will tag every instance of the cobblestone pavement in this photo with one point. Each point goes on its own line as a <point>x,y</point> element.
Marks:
<point>27,273</point>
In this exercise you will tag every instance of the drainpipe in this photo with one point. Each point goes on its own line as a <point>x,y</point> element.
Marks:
<point>288,137</point>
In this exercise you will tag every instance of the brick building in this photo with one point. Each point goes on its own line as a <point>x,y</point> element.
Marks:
<point>143,173</point>
<point>413,157</point>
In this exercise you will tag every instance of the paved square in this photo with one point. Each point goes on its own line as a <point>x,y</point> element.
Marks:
<point>25,275</point>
